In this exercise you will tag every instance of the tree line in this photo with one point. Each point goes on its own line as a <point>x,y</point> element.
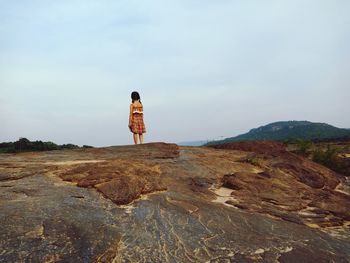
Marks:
<point>25,145</point>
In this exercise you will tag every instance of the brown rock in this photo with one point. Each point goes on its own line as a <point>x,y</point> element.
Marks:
<point>220,206</point>
<point>287,183</point>
<point>119,180</point>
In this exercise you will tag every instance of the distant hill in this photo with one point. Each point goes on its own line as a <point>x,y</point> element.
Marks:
<point>200,142</point>
<point>192,143</point>
<point>289,130</point>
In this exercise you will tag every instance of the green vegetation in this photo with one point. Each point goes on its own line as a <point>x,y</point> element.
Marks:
<point>25,145</point>
<point>256,162</point>
<point>302,147</point>
<point>328,157</point>
<point>331,155</point>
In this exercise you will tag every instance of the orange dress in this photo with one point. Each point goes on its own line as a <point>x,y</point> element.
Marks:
<point>137,124</point>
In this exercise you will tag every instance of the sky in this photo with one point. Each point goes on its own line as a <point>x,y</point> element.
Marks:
<point>204,69</point>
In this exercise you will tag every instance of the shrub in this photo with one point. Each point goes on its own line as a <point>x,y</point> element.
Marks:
<point>256,162</point>
<point>87,146</point>
<point>328,158</point>
<point>303,147</point>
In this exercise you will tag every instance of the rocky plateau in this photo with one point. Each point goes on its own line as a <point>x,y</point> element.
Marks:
<point>158,202</point>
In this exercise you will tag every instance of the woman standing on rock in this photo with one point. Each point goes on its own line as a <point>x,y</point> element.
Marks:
<point>136,124</point>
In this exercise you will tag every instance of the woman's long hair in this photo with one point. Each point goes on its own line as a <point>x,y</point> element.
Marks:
<point>135,96</point>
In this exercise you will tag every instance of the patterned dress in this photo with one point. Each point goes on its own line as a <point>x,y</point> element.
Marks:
<point>137,124</point>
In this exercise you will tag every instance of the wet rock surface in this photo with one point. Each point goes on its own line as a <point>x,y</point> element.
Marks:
<point>163,203</point>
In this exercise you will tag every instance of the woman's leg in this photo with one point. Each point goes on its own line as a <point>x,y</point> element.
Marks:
<point>141,138</point>
<point>135,138</point>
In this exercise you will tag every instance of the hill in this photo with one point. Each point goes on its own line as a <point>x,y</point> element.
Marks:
<point>192,143</point>
<point>291,130</point>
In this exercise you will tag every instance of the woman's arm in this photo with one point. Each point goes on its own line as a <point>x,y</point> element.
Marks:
<point>130,115</point>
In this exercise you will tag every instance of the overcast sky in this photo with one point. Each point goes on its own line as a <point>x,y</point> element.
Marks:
<point>203,68</point>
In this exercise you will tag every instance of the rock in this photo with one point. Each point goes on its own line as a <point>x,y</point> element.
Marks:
<point>229,181</point>
<point>287,183</point>
<point>303,254</point>
<point>121,181</point>
<point>163,203</point>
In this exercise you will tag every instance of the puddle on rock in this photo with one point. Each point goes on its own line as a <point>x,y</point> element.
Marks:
<point>344,187</point>
<point>223,194</point>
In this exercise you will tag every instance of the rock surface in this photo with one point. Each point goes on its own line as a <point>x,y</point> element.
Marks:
<point>244,202</point>
<point>288,186</point>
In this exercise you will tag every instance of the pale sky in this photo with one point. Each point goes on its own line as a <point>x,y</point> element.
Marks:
<point>203,68</point>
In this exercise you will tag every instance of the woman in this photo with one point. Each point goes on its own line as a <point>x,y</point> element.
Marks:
<point>136,124</point>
